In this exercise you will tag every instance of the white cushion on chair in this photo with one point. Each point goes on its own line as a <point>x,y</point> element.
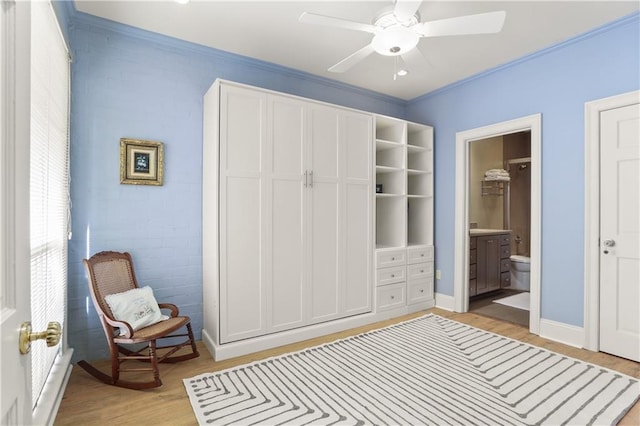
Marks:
<point>137,307</point>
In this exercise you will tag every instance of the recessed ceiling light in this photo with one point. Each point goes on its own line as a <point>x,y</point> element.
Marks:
<point>182,1</point>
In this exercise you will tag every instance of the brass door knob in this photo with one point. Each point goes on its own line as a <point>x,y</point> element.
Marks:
<point>51,335</point>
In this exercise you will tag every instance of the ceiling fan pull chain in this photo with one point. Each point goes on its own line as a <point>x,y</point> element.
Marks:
<point>395,68</point>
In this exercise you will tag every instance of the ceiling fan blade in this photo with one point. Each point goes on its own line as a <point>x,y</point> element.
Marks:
<point>313,18</point>
<point>352,59</point>
<point>405,9</point>
<point>483,23</point>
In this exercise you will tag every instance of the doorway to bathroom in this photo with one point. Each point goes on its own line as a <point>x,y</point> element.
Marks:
<point>497,224</point>
<point>499,199</point>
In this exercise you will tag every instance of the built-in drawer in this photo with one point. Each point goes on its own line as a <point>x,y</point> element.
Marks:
<point>419,290</point>
<point>419,254</point>
<point>473,242</point>
<point>472,271</point>
<point>472,287</point>
<point>390,296</point>
<point>420,270</point>
<point>386,276</point>
<point>386,258</point>
<point>505,252</point>
<point>505,265</point>
<point>505,239</point>
<point>505,279</point>
<point>473,255</point>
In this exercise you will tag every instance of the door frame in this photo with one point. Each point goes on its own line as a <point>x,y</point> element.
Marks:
<point>532,123</point>
<point>592,112</point>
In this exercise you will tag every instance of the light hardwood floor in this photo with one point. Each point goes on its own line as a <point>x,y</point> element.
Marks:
<point>89,402</point>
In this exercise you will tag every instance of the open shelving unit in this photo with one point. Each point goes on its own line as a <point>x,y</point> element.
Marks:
<point>404,183</point>
<point>390,182</point>
<point>419,185</point>
<point>404,215</point>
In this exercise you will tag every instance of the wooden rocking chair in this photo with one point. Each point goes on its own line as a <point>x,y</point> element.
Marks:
<point>112,273</point>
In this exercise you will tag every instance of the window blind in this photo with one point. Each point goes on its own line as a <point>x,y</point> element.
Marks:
<point>49,183</point>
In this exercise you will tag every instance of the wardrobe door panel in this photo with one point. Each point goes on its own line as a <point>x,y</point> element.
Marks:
<point>357,156</point>
<point>324,219</point>
<point>357,249</point>
<point>357,226</point>
<point>324,252</point>
<point>242,285</point>
<point>242,127</point>
<point>324,142</point>
<point>242,289</point>
<point>284,214</point>
<point>286,255</point>
<point>287,136</point>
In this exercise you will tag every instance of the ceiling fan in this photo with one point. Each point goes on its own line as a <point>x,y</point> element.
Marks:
<point>397,31</point>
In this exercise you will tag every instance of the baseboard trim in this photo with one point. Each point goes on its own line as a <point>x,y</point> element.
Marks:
<point>260,343</point>
<point>563,333</point>
<point>444,301</point>
<point>49,402</point>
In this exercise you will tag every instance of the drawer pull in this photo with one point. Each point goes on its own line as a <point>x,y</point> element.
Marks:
<point>421,254</point>
<point>393,297</point>
<point>393,276</point>
<point>422,291</point>
<point>422,271</point>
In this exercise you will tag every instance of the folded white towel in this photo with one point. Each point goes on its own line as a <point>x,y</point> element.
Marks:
<point>499,178</point>
<point>496,172</point>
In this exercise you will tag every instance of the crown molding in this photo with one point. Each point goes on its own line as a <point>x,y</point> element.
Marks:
<point>81,20</point>
<point>634,18</point>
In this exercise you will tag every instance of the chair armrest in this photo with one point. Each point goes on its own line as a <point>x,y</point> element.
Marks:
<point>122,325</point>
<point>173,308</point>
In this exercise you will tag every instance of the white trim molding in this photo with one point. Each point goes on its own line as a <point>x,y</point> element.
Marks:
<point>592,112</point>
<point>446,302</point>
<point>561,332</point>
<point>50,398</point>
<point>531,123</point>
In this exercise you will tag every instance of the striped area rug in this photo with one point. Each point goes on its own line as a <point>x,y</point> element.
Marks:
<point>429,370</point>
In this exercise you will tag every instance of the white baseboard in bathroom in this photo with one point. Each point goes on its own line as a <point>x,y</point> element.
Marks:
<point>561,332</point>
<point>444,301</point>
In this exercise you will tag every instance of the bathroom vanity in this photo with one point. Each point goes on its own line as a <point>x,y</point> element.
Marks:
<point>489,263</point>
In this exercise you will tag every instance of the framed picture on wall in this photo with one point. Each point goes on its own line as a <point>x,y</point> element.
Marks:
<point>141,162</point>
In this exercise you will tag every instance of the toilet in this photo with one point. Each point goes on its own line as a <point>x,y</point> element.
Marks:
<point>520,268</point>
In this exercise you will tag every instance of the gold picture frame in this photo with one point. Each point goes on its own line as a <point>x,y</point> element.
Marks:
<point>141,162</point>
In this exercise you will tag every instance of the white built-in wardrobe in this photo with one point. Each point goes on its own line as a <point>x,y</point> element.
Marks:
<point>288,220</point>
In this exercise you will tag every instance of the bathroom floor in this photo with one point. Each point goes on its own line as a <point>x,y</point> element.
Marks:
<point>483,305</point>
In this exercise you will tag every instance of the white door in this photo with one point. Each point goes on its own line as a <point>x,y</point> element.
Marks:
<point>619,231</point>
<point>357,229</point>
<point>242,234</point>
<point>284,213</point>
<point>15,369</point>
<point>324,185</point>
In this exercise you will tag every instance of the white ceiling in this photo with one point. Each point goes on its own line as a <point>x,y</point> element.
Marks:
<point>270,31</point>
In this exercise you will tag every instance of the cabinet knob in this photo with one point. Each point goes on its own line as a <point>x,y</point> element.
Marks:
<point>393,297</point>
<point>422,291</point>
<point>422,271</point>
<point>421,254</point>
<point>393,258</point>
<point>393,276</point>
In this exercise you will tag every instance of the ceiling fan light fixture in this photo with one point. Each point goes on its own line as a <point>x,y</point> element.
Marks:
<point>394,41</point>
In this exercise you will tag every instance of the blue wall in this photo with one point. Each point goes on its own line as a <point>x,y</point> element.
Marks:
<point>131,83</point>
<point>556,83</point>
